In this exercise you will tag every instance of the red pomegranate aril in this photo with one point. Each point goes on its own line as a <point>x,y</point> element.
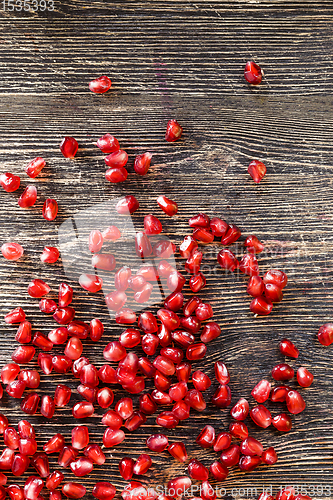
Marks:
<point>143,463</point>
<point>257,170</point>
<point>161,398</point>
<point>103,261</point>
<point>29,404</point>
<point>108,144</point>
<point>167,419</point>
<point>73,490</point>
<point>62,395</point>
<point>58,336</point>
<point>99,86</point>
<point>207,491</point>
<point>295,402</point>
<point>32,488</point>
<point>219,471</point>
<point>11,438</point>
<point>253,244</point>
<point>80,437</point>
<point>168,206</point>
<point>147,405</point>
<point>269,456</point>
<point>9,373</point>
<point>126,465</point>
<point>197,470</point>
<point>142,245</point>
<point>282,422</point>
<point>54,479</point>
<point>173,131</point>
<point>197,282</point>
<point>55,444</point>
<point>233,234</point>
<point>23,334</point>
<point>15,492</point>
<point>78,329</point>
<point>174,301</point>
<point>25,429</point>
<point>136,386</point>
<point>252,73</point>
<point>143,295</point>
<point>16,388</point>
<point>114,351</point>
<point>178,391</point>
<point>69,147</point>
<point>149,343</point>
<point>105,397</point>
<point>201,381</point>
<point>276,277</point>
<point>89,376</point>
<point>94,452</point>
<point>288,349</point>
<point>192,265</point>
<point>164,269</point>
<point>196,351</point>
<point>47,406</point>
<point>61,364</point>
<point>188,245</point>
<point>206,438</point>
<point>27,446</point>
<point>146,367</point>
<point>135,421</point>
<point>116,174</point>
<point>12,251</point>
<point>127,205</point>
<point>28,197</point>
<point>116,160</point>
<point>241,410</point>
<point>282,372</point>
<point>91,282</point>
<point>50,209</point>
<point>42,342</point>
<point>6,459</point>
<point>325,334</point>
<point>251,447</point>
<point>104,491</point>
<point>273,293</point>
<point>113,437</point>
<point>199,220</point>
<point>50,255</point>
<point>279,393</point>
<point>64,315</point>
<point>287,494</point>
<point>124,408</point>
<point>142,164</point>
<point>169,318</point>
<point>203,235</point>
<point>65,295</point>
<point>67,455</point>
<point>112,419</point>
<point>164,336</point>
<point>15,316</point>
<point>47,306</point>
<point>10,182</point>
<point>161,382</point>
<point>261,416</point>
<point>137,283</point>
<point>181,410</point>
<point>37,288</point>
<point>147,322</point>
<point>83,410</point>
<point>164,249</point>
<point>265,496</point>
<point>178,451</point>
<point>218,227</point>
<point>261,391</point>
<point>157,442</point>
<point>221,373</point>
<point>78,365</point>
<point>130,338</point>
<point>247,463</point>
<point>20,464</point>
<point>255,286</point>
<point>249,265</point>
<point>227,260</point>
<point>210,332</point>
<point>223,441</point>
<point>195,399</point>
<point>261,306</point>
<point>125,316</point>
<point>238,430</point>
<point>230,456</point>
<point>41,463</point>
<point>204,311</point>
<point>74,348</point>
<point>164,365</point>
<point>222,396</point>
<point>107,374</point>
<point>82,466</point>
<point>304,377</point>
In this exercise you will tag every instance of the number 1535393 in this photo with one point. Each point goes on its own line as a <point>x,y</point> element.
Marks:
<point>27,5</point>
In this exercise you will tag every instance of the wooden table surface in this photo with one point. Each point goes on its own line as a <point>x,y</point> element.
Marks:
<point>183,60</point>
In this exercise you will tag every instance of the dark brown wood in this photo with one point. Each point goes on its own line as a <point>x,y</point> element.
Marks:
<point>183,60</point>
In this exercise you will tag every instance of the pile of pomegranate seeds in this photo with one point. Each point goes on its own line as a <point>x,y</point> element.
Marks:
<point>166,346</point>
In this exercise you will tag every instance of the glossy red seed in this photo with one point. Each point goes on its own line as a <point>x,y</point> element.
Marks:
<point>196,351</point>
<point>49,255</point>
<point>15,492</point>
<point>269,456</point>
<point>279,393</point>
<point>91,282</point>
<point>164,365</point>
<point>178,391</point>
<point>11,438</point>
<point>31,378</point>
<point>23,354</point>
<point>295,402</point>
<point>188,245</point>
<point>282,372</point>
<point>261,306</point>
<point>29,404</point>
<point>121,278</point>
<point>304,377</point>
<point>233,234</point>
<point>257,170</point>
<point>89,376</point>
<point>181,410</point>
<point>108,144</point>
<point>10,182</point>
<point>28,197</point>
<point>168,206</point>
<point>116,160</point>
<point>147,405</point>
<point>143,463</point>
<point>240,410</point>
<point>73,490</point>
<point>199,220</point>
<point>261,416</point>
<point>32,488</point>
<point>173,131</point>
<point>62,395</point>
<point>124,408</point>
<point>27,446</point>
<point>197,470</point>
<point>142,163</point>
<point>273,293</point>
<point>207,491</point>
<point>99,86</point>
<point>178,451</point>
<point>219,471</point>
<point>164,249</point>
<point>176,282</point>
<point>135,421</point>
<point>265,496</point>
<point>253,244</point>
<point>203,235</point>
<point>174,301</point>
<point>116,174</point>
<point>23,334</point>
<point>80,437</point>
<point>221,373</point>
<point>83,410</point>
<point>41,463</point>
<point>114,351</point>
<point>230,456</point>
<point>192,265</point>
<point>161,398</point>
<point>9,373</point>
<point>125,316</point>
<point>54,479</point>
<point>222,396</point>
<point>106,262</point>
<point>238,430</point>
<point>249,265</point>
<point>172,353</point>
<point>42,342</point>
<point>58,336</point>
<point>126,465</point>
<point>276,277</point>
<point>149,343</point>
<point>170,319</point>
<point>261,391</point>
<point>204,311</point>
<point>16,388</point>
<point>25,429</point>
<point>251,447</point>
<point>61,364</point>
<point>227,260</point>
<point>147,322</point>
<point>137,283</point>
<point>15,316</point>
<point>74,348</point>
<point>113,437</point>
<point>206,438</point>
<point>105,397</point>
<point>201,381</point>
<point>157,442</point>
<point>167,419</point>
<point>69,147</point>
<point>248,463</point>
<point>282,422</point>
<point>255,286</point>
<point>142,245</point>
<point>325,334</point>
<point>47,406</point>
<point>38,288</point>
<point>112,419</point>
<point>130,338</point>
<point>223,441</point>
<point>94,452</point>
<point>195,399</point>
<point>82,466</point>
<point>7,459</point>
<point>104,491</point>
<point>55,444</point>
<point>197,282</point>
<point>12,251</point>
<point>252,73</point>
<point>50,209</point>
<point>127,205</point>
<point>288,349</point>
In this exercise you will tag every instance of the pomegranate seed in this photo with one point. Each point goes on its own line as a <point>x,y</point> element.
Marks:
<point>157,442</point>
<point>287,494</point>
<point>108,144</point>
<point>47,406</point>
<point>207,491</point>
<point>26,429</point>
<point>78,329</point>
<point>170,319</point>
<point>32,488</point>
<point>116,174</point>
<point>210,332</point>
<point>164,365</point>
<point>197,470</point>
<point>227,260</point>
<point>105,397</point>
<point>137,283</point>
<point>126,465</point>
<point>251,447</point>
<point>203,235</point>
<point>147,405</point>
<point>89,376</point>
<point>178,391</point>
<point>10,182</point>
<point>279,393</point>
<point>249,265</point>
<point>247,463</point>
<point>104,491</point>
<point>50,209</point>
<point>124,408</point>
<point>168,206</point>
<point>256,286</point>
<point>197,282</point>
<point>12,251</point>
<point>143,295</point>
<point>23,354</point>
<point>146,367</point>
<point>30,377</point>
<point>15,316</point>
<point>55,444</point>
<point>49,255</point>
<point>28,197</point>
<point>195,399</point>
<point>15,492</point>
<point>181,410</point>
<point>257,170</point>
<point>135,421</point>
<point>167,419</point>
<point>273,293</point>
<point>164,249</point>
<point>178,451</point>
<point>112,419</point>
<point>115,300</point>
<point>66,456</point>
<point>206,438</point>
<point>91,282</point>
<point>147,322</point>
<point>130,338</point>
<point>54,495</point>
<point>103,261</point>
<point>261,416</point>
<point>57,336</point>
<point>238,430</point>
<point>107,374</point>
<point>16,388</point>
<point>54,479</point>
<point>219,471</point>
<point>276,277</point>
<point>9,373</point>
<point>73,490</point>
<point>83,410</point>
<point>161,398</point>
<point>38,288</point>
<point>175,282</point>
<point>20,464</point>
<point>295,402</point>
<point>288,349</point>
<point>230,456</point>
<point>261,306</point>
<point>187,246</point>
<point>149,343</point>
<point>253,244</point>
<point>304,377</point>
<point>200,220</point>
<point>116,161</point>
<point>27,446</point>
<point>218,227</point>
<point>192,265</point>
<point>269,456</point>
<point>201,381</point>
<point>223,441</point>
<point>142,245</point>
<point>222,396</point>
<point>204,311</point>
<point>265,496</point>
<point>78,365</point>
<point>142,164</point>
<point>113,437</point>
<point>62,395</point>
<point>82,466</point>
<point>196,351</point>
<point>74,348</point>
<point>6,459</point>
<point>47,306</point>
<point>61,364</point>
<point>114,351</point>
<point>282,372</point>
<point>127,205</point>
<point>261,391</point>
<point>23,334</point>
<point>69,147</point>
<point>233,234</point>
<point>182,338</point>
<point>99,86</point>
<point>94,452</point>
<point>162,383</point>
<point>173,131</point>
<point>240,410</point>
<point>11,438</point>
<point>143,463</point>
<point>125,316</point>
<point>80,437</point>
<point>252,73</point>
<point>41,464</point>
<point>282,422</point>
<point>174,301</point>
<point>221,373</point>
<point>41,341</point>
<point>164,269</point>
<point>325,334</point>
<point>29,404</point>
<point>136,386</point>
<point>178,486</point>
<point>164,336</point>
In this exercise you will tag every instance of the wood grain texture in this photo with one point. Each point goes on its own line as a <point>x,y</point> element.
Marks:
<point>184,60</point>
